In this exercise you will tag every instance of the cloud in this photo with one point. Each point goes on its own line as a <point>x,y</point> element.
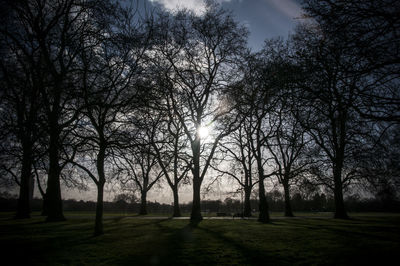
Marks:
<point>197,6</point>
<point>288,7</point>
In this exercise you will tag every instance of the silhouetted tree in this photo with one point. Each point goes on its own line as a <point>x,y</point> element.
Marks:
<point>377,164</point>
<point>286,144</point>
<point>111,63</point>
<point>19,112</point>
<point>256,100</point>
<point>142,170</point>
<point>53,29</point>
<point>236,160</point>
<point>169,143</point>
<point>328,91</point>
<point>369,31</point>
<point>199,55</point>
<point>285,139</point>
<point>25,76</point>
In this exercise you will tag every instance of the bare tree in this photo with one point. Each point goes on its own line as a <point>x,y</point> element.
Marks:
<point>111,64</point>
<point>21,81</point>
<point>285,139</point>
<point>199,55</point>
<point>19,115</point>
<point>52,30</point>
<point>169,143</point>
<point>377,164</point>
<point>236,161</point>
<point>369,31</point>
<point>256,100</point>
<point>326,98</point>
<point>286,143</point>
<point>142,169</point>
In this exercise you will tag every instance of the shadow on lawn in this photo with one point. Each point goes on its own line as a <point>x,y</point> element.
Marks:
<point>250,256</point>
<point>195,244</point>
<point>199,244</point>
<point>349,229</point>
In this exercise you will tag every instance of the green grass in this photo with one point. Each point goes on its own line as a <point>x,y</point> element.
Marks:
<point>365,239</point>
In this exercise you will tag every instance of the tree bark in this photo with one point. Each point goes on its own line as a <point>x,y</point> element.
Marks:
<point>177,211</point>
<point>263,204</point>
<point>195,216</point>
<point>288,205</point>
<point>263,216</point>
<point>53,199</point>
<point>340,210</point>
<point>196,209</point>
<point>143,203</point>
<point>98,227</point>
<point>247,206</point>
<point>24,207</point>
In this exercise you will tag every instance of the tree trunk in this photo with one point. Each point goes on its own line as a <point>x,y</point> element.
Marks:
<point>263,216</point>
<point>98,227</point>
<point>263,204</point>
<point>143,203</point>
<point>195,216</point>
<point>288,206</point>
<point>53,192</point>
<point>247,206</point>
<point>340,210</point>
<point>43,194</point>
<point>177,211</point>
<point>24,207</point>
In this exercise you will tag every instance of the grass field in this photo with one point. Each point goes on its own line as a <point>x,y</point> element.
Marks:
<point>367,239</point>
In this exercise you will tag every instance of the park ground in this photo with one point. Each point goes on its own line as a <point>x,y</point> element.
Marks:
<point>311,239</point>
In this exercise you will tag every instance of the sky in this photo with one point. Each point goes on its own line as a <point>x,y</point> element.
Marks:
<point>263,18</point>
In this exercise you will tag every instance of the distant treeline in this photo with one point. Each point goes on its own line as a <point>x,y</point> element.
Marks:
<point>318,203</point>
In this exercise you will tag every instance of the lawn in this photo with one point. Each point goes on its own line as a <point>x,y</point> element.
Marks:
<point>365,239</point>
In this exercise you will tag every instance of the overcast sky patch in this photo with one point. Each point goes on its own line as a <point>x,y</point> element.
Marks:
<point>197,6</point>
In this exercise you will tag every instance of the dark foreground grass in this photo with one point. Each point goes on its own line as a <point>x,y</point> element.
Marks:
<point>363,240</point>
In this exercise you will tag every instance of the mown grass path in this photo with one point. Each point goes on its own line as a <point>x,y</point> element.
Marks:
<point>363,240</point>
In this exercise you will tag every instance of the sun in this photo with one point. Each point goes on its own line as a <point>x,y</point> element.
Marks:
<point>203,132</point>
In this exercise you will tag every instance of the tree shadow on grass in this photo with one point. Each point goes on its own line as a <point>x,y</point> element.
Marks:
<point>84,247</point>
<point>175,244</point>
<point>352,228</point>
<point>251,256</point>
<point>164,244</point>
<point>350,242</point>
<point>195,244</point>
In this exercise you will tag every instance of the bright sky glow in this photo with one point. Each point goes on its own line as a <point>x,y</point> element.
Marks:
<point>203,132</point>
